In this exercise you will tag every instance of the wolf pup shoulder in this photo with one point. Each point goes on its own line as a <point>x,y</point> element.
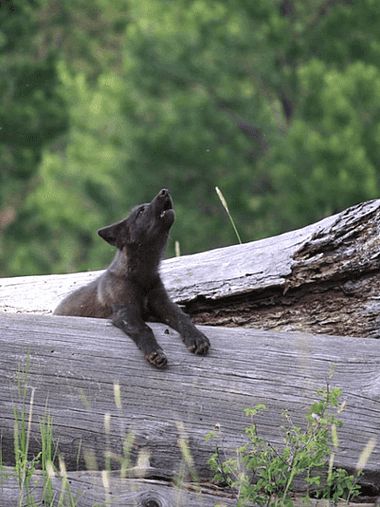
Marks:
<point>131,290</point>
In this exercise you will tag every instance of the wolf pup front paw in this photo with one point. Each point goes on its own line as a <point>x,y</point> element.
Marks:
<point>157,358</point>
<point>198,343</point>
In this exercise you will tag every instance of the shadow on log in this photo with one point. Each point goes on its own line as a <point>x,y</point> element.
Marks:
<point>323,278</point>
<point>75,362</point>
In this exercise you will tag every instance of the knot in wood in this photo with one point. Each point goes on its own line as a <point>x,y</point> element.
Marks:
<point>151,503</point>
<point>152,499</point>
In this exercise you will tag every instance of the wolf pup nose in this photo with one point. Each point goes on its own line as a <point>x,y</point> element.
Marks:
<point>131,289</point>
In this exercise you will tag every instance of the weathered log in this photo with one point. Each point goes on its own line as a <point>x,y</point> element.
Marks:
<point>323,278</point>
<point>74,363</point>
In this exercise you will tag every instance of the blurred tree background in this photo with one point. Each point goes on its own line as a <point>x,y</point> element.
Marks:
<point>277,102</point>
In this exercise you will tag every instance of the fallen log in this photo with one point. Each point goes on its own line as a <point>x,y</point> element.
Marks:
<point>76,362</point>
<point>323,278</point>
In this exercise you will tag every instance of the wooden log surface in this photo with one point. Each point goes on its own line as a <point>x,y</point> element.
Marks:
<point>323,278</point>
<point>97,488</point>
<point>75,362</point>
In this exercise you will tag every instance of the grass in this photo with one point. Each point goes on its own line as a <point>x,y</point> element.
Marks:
<point>225,206</point>
<point>27,467</point>
<point>258,473</point>
<point>42,477</point>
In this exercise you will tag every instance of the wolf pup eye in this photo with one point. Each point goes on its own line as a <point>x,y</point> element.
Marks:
<point>141,210</point>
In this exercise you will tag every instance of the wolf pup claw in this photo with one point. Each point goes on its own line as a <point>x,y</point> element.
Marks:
<point>130,291</point>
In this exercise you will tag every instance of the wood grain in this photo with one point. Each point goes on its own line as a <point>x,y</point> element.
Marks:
<point>93,488</point>
<point>90,489</point>
<point>75,362</point>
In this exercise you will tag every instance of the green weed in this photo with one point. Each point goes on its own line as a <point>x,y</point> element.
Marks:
<point>264,475</point>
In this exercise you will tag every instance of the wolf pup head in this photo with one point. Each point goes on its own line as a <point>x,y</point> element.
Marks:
<point>145,224</point>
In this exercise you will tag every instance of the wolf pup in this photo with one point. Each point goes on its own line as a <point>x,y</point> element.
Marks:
<point>130,291</point>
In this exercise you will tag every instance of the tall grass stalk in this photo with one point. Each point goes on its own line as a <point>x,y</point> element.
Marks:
<point>66,498</point>
<point>47,458</point>
<point>225,206</point>
<point>26,465</point>
<point>107,431</point>
<point>22,439</point>
<point>177,249</point>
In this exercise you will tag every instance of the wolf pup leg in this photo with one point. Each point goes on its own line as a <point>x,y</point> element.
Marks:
<point>128,319</point>
<point>171,314</point>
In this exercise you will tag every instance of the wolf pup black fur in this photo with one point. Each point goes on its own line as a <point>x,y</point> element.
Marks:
<point>130,291</point>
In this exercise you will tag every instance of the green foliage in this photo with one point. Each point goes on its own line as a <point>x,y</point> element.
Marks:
<point>262,474</point>
<point>71,200</point>
<point>32,113</point>
<point>329,153</point>
<point>276,102</point>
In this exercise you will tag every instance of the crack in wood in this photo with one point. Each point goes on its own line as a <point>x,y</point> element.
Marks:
<point>339,307</point>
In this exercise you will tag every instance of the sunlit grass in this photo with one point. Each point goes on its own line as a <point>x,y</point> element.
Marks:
<point>225,206</point>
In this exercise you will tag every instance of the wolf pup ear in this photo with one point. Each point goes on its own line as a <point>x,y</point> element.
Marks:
<point>110,234</point>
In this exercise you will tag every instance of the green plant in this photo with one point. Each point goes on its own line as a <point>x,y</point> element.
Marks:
<point>24,466</point>
<point>23,413</point>
<point>262,474</point>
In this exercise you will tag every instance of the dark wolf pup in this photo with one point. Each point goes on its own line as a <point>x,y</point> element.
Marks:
<point>130,291</point>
